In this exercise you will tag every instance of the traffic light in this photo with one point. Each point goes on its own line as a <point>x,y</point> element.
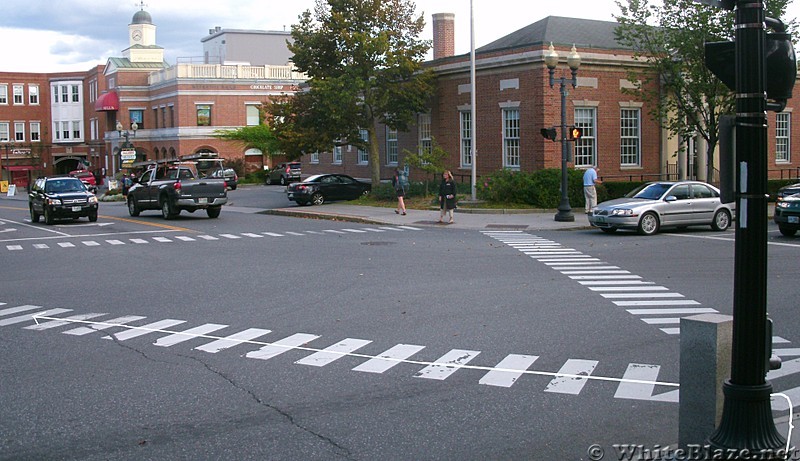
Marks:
<point>550,133</point>
<point>780,62</point>
<point>575,133</point>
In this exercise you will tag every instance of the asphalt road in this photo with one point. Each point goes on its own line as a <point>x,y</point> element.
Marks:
<point>311,339</point>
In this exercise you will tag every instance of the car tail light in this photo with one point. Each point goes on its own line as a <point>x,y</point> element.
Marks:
<point>288,170</point>
<point>225,184</point>
<point>177,186</point>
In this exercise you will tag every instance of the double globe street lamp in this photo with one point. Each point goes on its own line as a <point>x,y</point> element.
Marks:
<point>574,62</point>
<point>126,150</point>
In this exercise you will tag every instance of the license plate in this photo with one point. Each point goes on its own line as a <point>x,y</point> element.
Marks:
<point>599,219</point>
<point>76,208</point>
<point>202,200</point>
<point>794,219</point>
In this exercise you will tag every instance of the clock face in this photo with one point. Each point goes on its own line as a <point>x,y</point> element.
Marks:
<point>136,35</point>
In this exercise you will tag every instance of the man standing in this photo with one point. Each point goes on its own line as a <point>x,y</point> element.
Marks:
<point>590,180</point>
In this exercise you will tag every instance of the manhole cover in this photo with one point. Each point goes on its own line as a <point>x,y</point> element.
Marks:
<point>378,243</point>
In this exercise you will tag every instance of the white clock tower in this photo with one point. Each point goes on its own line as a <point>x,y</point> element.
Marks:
<point>142,39</point>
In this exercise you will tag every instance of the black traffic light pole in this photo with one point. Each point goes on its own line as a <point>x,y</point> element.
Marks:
<point>747,422</point>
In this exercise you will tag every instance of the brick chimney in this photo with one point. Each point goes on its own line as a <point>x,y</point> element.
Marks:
<point>443,35</point>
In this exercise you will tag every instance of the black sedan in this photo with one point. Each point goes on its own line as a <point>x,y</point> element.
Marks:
<point>787,214</point>
<point>322,188</point>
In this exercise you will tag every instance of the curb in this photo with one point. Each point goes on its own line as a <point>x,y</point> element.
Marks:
<point>325,216</point>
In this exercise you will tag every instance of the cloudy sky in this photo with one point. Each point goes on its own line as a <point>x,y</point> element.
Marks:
<point>74,35</point>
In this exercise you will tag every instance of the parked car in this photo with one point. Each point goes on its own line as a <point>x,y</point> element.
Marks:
<point>61,197</point>
<point>788,190</point>
<point>322,188</point>
<point>228,174</point>
<point>660,204</point>
<point>173,187</point>
<point>87,178</point>
<point>787,214</point>
<point>284,173</point>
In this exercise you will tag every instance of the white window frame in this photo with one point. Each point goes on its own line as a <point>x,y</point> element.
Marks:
<point>511,138</point>
<point>19,94</point>
<point>5,128</point>
<point>36,131</point>
<point>783,139</point>
<point>465,135</point>
<point>77,130</point>
<point>19,131</point>
<point>630,134</point>
<point>391,146</point>
<point>585,153</point>
<point>4,94</point>
<point>425,135</point>
<point>64,94</point>
<point>33,94</point>
<point>337,155</point>
<point>75,91</point>
<point>65,130</point>
<point>314,158</point>
<point>363,154</point>
<point>252,116</point>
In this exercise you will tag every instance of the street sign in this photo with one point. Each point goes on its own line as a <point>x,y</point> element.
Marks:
<point>127,154</point>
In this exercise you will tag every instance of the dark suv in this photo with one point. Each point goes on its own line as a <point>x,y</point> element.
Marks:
<point>284,173</point>
<point>61,197</point>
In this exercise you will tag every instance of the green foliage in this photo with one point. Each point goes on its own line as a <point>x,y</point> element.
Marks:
<point>364,63</point>
<point>251,136</point>
<point>428,160</point>
<point>540,189</point>
<point>670,40</point>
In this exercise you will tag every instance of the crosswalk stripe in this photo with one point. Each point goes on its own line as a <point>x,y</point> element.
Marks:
<point>279,347</point>
<point>29,317</point>
<point>232,340</point>
<point>333,231</point>
<point>299,234</point>
<point>594,271</point>
<point>573,258</point>
<point>116,242</point>
<point>66,321</point>
<point>90,243</point>
<point>334,352</point>
<point>506,374</point>
<point>662,320</point>
<point>207,237</point>
<point>104,325</point>
<point>605,277</point>
<point>640,295</point>
<point>18,309</point>
<point>14,247</point>
<point>134,332</point>
<point>66,245</point>
<point>391,228</point>
<point>162,239</point>
<point>446,365</point>
<point>355,231</point>
<point>684,311</point>
<point>671,330</point>
<point>373,230</point>
<point>789,352</point>
<point>185,238</point>
<point>139,241</point>
<point>410,228</point>
<point>780,403</point>
<point>683,302</point>
<point>186,335</point>
<point>788,367</point>
<point>638,384</point>
<point>389,358</point>
<point>40,246</point>
<point>559,264</point>
<point>250,234</point>
<point>272,234</point>
<point>572,383</point>
<point>230,236</point>
<point>630,288</point>
<point>616,282</point>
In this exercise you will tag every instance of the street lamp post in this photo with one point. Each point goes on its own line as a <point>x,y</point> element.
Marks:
<point>574,62</point>
<point>123,133</point>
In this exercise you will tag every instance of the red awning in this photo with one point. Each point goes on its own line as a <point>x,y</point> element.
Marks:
<point>19,167</point>
<point>107,102</point>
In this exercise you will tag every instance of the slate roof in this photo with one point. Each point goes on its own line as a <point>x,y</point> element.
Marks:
<point>125,63</point>
<point>584,33</point>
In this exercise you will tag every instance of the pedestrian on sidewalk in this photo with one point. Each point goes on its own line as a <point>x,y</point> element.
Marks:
<point>399,184</point>
<point>590,180</point>
<point>447,196</point>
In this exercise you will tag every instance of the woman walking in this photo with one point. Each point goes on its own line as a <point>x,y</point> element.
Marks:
<point>400,189</point>
<point>447,196</point>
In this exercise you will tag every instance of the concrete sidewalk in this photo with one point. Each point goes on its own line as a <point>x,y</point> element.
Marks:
<point>465,218</point>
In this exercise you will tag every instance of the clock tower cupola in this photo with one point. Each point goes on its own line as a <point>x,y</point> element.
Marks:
<point>142,39</point>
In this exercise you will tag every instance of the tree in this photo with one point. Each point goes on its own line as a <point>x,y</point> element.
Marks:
<point>364,63</point>
<point>686,97</point>
<point>430,160</point>
<point>258,136</point>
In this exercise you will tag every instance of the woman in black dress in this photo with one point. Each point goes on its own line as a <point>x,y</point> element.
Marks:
<point>447,196</point>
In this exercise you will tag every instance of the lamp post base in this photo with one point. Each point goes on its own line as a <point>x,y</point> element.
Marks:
<point>747,424</point>
<point>564,215</point>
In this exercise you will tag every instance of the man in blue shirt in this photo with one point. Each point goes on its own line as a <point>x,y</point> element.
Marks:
<point>590,180</point>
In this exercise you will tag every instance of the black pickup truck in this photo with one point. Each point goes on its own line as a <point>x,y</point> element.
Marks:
<point>173,187</point>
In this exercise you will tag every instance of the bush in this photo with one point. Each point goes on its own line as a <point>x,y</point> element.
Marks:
<point>540,189</point>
